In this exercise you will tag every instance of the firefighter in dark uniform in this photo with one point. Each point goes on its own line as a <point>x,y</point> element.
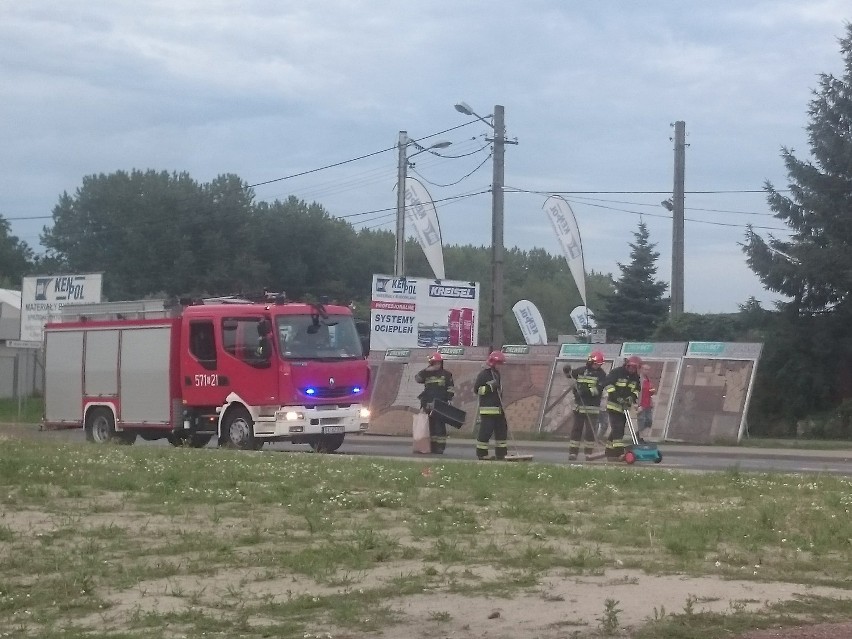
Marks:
<point>491,416</point>
<point>621,391</point>
<point>437,384</point>
<point>587,402</point>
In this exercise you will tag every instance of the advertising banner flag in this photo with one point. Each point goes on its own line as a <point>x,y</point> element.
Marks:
<point>583,319</point>
<point>565,226</point>
<point>530,321</point>
<point>421,214</point>
<point>409,312</point>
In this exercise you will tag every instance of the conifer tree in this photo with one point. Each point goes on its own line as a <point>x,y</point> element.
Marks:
<point>814,266</point>
<point>637,306</point>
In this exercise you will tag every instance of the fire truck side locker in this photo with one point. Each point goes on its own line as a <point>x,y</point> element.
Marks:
<point>63,384</point>
<point>127,370</point>
<point>146,371</point>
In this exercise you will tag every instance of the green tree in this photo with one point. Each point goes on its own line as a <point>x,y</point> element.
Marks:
<point>637,304</point>
<point>157,233</point>
<point>309,252</point>
<point>814,266</point>
<point>16,257</point>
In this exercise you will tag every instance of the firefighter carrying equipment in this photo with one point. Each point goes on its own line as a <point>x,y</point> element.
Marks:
<point>587,390</point>
<point>622,388</point>
<point>492,420</point>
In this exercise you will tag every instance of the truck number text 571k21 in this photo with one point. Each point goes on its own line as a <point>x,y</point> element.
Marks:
<point>207,380</point>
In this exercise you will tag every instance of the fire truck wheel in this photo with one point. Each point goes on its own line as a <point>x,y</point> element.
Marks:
<point>100,426</point>
<point>326,443</point>
<point>238,430</point>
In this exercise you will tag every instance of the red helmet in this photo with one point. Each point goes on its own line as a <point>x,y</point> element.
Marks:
<point>434,358</point>
<point>633,360</point>
<point>596,357</point>
<point>496,357</point>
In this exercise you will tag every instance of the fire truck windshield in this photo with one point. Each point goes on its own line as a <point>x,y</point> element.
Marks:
<point>310,337</point>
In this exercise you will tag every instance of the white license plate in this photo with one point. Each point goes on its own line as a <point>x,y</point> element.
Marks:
<point>332,430</point>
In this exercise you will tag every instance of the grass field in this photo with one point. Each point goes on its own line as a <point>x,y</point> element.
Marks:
<point>147,541</point>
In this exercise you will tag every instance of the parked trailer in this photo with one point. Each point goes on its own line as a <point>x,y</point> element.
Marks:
<point>243,372</point>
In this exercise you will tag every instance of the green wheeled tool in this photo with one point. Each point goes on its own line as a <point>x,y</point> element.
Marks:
<point>639,451</point>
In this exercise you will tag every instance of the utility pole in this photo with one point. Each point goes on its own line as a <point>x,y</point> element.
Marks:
<point>497,248</point>
<point>402,170</point>
<point>677,219</point>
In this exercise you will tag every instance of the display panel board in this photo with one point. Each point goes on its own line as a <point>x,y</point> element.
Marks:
<point>664,360</point>
<point>558,404</point>
<point>393,400</point>
<point>713,391</point>
<point>394,396</point>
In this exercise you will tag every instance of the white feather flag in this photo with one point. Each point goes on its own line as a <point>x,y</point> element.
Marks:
<point>421,214</point>
<point>565,225</point>
<point>530,321</point>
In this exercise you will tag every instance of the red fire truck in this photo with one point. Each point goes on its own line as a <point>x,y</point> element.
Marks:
<point>242,371</point>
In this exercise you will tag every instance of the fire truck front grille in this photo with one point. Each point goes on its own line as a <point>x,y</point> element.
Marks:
<point>327,392</point>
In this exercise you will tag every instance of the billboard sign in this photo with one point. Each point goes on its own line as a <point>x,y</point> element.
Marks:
<point>43,296</point>
<point>408,312</point>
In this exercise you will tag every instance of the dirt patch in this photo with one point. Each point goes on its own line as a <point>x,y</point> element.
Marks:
<point>556,607</point>
<point>562,605</point>
<point>820,631</point>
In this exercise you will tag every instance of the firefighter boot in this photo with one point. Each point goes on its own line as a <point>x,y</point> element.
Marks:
<point>573,449</point>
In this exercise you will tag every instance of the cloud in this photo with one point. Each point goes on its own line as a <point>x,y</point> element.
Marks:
<point>269,89</point>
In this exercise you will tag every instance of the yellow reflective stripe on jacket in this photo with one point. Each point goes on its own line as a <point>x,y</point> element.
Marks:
<point>490,410</point>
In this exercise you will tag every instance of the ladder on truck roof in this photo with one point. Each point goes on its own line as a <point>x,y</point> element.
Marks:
<point>106,311</point>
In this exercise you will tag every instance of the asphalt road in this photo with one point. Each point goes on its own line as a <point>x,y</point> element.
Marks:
<point>675,456</point>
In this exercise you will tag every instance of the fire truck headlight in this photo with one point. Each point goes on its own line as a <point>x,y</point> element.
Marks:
<point>356,390</point>
<point>292,416</point>
<point>365,413</point>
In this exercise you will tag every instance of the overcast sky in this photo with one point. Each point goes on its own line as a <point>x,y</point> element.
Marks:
<point>268,89</point>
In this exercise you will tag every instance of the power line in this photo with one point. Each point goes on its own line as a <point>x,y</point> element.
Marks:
<point>461,179</point>
<point>355,159</point>
<point>689,208</point>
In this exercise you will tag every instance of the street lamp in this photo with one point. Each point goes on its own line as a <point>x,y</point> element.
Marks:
<point>497,247</point>
<point>402,173</point>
